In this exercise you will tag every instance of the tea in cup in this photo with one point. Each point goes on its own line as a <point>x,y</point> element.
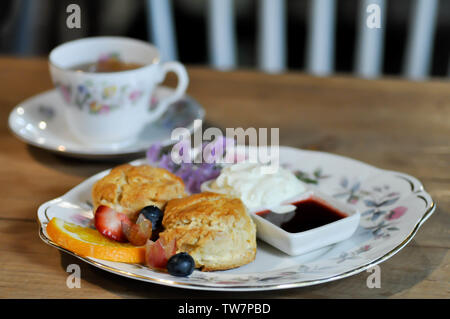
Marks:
<point>106,84</point>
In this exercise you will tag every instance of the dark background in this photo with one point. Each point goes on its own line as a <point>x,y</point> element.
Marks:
<point>128,18</point>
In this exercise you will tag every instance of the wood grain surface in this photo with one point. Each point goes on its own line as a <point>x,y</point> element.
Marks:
<point>390,123</point>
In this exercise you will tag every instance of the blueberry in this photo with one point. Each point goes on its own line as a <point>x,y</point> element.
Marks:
<point>154,214</point>
<point>181,265</point>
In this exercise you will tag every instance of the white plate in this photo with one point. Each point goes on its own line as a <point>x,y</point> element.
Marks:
<point>39,121</point>
<point>393,206</point>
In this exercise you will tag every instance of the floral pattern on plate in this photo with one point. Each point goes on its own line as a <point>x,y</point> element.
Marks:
<point>394,205</point>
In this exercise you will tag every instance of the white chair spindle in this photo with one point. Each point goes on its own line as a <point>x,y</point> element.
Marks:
<point>370,38</point>
<point>321,32</point>
<point>420,41</point>
<point>221,34</point>
<point>161,27</point>
<point>272,36</point>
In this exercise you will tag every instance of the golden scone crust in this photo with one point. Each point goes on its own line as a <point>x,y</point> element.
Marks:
<point>129,188</point>
<point>214,229</point>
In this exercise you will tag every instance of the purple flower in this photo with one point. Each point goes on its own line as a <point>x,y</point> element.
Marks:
<point>396,213</point>
<point>193,185</point>
<point>198,175</point>
<point>209,171</point>
<point>193,175</point>
<point>185,170</point>
<point>167,163</point>
<point>153,153</point>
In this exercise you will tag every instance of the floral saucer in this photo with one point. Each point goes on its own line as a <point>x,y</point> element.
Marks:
<point>39,121</point>
<point>393,206</point>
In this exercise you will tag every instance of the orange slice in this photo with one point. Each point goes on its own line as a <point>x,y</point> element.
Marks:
<point>89,242</point>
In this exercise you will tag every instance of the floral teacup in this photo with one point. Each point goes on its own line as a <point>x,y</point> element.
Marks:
<point>111,108</point>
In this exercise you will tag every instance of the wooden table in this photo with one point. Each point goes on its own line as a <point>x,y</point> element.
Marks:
<point>390,123</point>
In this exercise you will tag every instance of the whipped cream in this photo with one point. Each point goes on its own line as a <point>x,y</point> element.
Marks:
<point>254,186</point>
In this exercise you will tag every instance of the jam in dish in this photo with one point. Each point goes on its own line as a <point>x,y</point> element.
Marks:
<point>309,213</point>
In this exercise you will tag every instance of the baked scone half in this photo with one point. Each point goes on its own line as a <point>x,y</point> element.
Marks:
<point>215,229</point>
<point>128,189</point>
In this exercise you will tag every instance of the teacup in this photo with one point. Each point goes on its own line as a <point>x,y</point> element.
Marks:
<point>110,108</point>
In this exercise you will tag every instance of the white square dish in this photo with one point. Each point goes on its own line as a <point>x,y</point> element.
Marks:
<point>296,243</point>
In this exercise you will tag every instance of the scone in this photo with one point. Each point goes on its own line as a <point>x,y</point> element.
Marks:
<point>128,188</point>
<point>214,229</point>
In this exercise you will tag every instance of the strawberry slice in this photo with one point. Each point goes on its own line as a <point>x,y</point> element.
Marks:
<point>137,234</point>
<point>158,253</point>
<point>109,223</point>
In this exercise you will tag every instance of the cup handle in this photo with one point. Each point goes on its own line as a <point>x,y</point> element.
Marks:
<point>183,81</point>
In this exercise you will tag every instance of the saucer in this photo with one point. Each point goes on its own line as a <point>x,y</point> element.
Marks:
<point>39,121</point>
